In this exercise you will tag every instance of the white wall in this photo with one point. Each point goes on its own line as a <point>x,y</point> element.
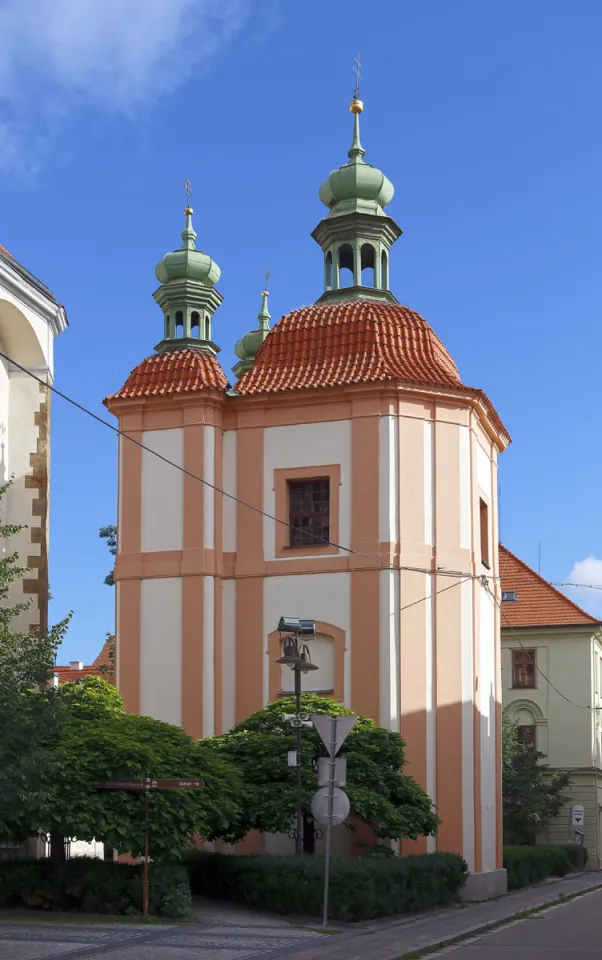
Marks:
<point>228,654</point>
<point>488,728</point>
<point>325,597</point>
<point>389,480</point>
<point>389,650</point>
<point>229,486</point>
<point>162,491</point>
<point>208,491</point>
<point>465,489</point>
<point>467,591</point>
<point>307,445</point>
<point>161,649</point>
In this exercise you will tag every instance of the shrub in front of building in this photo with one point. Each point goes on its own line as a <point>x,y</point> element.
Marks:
<point>526,865</point>
<point>87,885</point>
<point>359,889</point>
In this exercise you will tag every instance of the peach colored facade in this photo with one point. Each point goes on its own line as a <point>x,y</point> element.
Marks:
<point>202,580</point>
<point>357,392</point>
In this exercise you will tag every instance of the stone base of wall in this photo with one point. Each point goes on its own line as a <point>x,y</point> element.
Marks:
<point>485,886</point>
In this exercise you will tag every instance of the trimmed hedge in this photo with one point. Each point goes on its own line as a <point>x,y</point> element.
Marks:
<point>88,885</point>
<point>526,865</point>
<point>359,889</point>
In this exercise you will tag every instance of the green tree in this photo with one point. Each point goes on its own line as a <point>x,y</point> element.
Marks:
<point>393,804</point>
<point>531,795</point>
<point>26,662</point>
<point>94,739</point>
<point>109,535</point>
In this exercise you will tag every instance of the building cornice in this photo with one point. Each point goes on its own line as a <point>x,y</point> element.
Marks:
<point>23,286</point>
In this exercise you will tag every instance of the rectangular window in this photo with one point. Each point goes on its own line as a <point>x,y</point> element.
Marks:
<point>309,512</point>
<point>527,735</point>
<point>484,527</point>
<point>523,668</point>
<point>508,596</point>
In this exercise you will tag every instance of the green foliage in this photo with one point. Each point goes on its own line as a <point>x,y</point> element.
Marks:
<point>26,662</point>
<point>359,890</point>
<point>577,854</point>
<point>109,535</point>
<point>88,885</point>
<point>92,739</point>
<point>531,796</point>
<point>393,804</point>
<point>526,865</point>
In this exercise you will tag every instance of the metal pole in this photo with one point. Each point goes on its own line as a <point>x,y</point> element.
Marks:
<point>299,835</point>
<point>145,881</point>
<point>331,776</point>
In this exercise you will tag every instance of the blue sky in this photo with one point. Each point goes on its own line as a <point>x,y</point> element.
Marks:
<point>486,117</point>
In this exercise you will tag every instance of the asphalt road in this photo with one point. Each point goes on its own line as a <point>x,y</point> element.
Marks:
<point>562,932</point>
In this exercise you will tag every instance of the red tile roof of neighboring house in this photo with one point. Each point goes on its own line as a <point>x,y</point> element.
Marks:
<point>178,371</point>
<point>538,603</point>
<point>69,674</point>
<point>355,341</point>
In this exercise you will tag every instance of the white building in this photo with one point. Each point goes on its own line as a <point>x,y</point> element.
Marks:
<point>30,319</point>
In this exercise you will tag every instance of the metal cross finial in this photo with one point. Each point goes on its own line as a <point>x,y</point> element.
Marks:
<point>358,76</point>
<point>188,190</point>
<point>267,277</point>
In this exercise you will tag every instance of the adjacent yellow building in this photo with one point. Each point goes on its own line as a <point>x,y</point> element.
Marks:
<point>552,684</point>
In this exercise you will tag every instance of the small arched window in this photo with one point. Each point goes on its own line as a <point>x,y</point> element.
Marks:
<point>384,271</point>
<point>179,324</point>
<point>195,323</point>
<point>368,263</point>
<point>328,271</point>
<point>346,265</point>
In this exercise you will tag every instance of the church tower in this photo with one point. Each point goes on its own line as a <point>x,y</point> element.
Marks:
<point>349,477</point>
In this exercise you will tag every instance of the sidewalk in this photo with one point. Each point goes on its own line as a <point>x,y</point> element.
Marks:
<point>390,939</point>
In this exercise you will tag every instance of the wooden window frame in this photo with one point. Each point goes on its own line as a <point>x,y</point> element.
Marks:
<point>282,477</point>
<point>520,653</point>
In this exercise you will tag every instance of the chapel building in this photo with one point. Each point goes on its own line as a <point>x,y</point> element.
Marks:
<point>359,479</point>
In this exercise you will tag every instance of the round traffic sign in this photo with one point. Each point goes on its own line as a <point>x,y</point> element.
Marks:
<point>340,806</point>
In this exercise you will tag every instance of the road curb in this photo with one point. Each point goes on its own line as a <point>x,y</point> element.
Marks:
<point>479,930</point>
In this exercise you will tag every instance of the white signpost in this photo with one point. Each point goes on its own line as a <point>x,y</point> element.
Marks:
<point>578,815</point>
<point>330,805</point>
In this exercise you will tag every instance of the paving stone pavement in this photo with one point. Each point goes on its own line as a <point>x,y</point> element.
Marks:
<point>222,932</point>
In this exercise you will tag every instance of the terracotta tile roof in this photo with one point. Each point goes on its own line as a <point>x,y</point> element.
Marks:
<point>356,341</point>
<point>538,603</point>
<point>179,371</point>
<point>69,674</point>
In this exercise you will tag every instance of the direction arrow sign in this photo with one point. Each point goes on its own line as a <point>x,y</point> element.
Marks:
<point>152,785</point>
<point>177,784</point>
<point>323,724</point>
<point>121,785</point>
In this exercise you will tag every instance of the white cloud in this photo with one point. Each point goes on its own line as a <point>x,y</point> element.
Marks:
<point>113,54</point>
<point>588,571</point>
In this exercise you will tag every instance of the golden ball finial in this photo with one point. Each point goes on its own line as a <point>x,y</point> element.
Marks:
<point>189,211</point>
<point>356,106</point>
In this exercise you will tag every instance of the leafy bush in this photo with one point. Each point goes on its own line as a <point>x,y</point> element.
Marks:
<point>527,865</point>
<point>88,885</point>
<point>573,852</point>
<point>359,889</point>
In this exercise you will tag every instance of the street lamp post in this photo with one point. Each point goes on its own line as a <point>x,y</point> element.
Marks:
<point>295,654</point>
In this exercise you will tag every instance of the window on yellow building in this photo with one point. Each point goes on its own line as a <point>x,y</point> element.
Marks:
<point>309,512</point>
<point>523,668</point>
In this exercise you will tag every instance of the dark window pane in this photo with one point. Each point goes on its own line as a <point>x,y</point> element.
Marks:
<point>527,734</point>
<point>309,512</point>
